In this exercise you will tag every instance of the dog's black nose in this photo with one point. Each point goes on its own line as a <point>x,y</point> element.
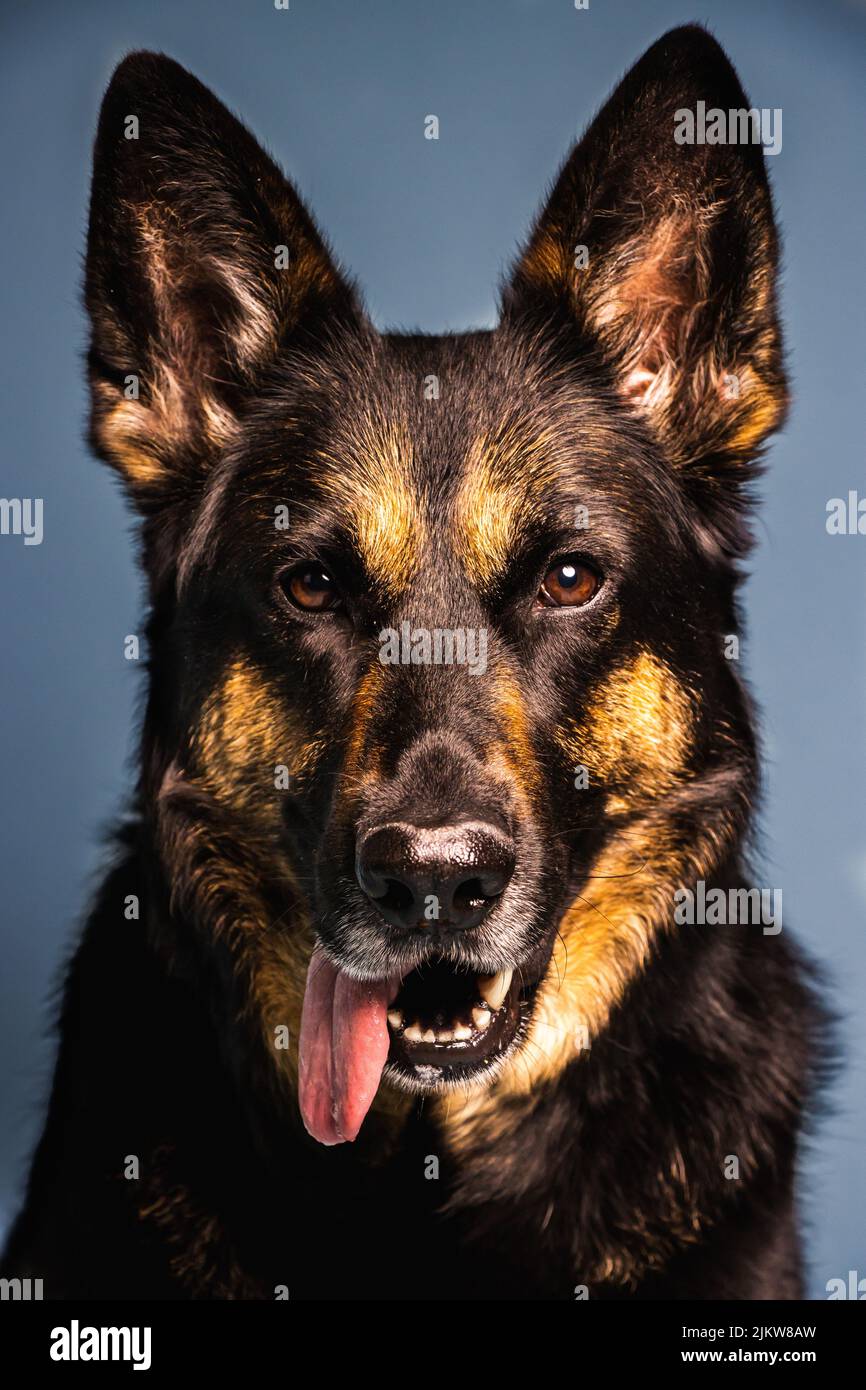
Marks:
<point>429,876</point>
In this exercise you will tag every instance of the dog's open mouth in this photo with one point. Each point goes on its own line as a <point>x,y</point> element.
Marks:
<point>452,1021</point>
<point>437,1026</point>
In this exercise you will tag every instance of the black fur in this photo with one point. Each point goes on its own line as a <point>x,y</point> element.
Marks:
<point>260,387</point>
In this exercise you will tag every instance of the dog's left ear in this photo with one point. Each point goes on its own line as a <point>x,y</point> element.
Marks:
<point>663,255</point>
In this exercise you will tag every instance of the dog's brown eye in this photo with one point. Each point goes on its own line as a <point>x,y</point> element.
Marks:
<point>309,587</point>
<point>569,585</point>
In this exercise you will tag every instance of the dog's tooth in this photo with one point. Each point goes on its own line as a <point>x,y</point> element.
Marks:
<point>481,1019</point>
<point>445,1035</point>
<point>429,1036</point>
<point>462,1033</point>
<point>413,1033</point>
<point>493,988</point>
<point>395,1018</point>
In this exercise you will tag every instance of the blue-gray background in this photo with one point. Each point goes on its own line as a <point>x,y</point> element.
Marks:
<point>339,91</point>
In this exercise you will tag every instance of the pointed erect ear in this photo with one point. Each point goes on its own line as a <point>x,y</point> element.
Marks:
<point>202,264</point>
<point>663,255</point>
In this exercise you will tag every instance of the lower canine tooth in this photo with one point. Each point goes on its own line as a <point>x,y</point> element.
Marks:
<point>413,1033</point>
<point>493,988</point>
<point>481,1019</point>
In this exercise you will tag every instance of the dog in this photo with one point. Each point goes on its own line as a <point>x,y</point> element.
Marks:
<point>388,993</point>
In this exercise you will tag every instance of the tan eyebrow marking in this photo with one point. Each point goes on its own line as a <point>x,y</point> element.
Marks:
<point>494,495</point>
<point>374,484</point>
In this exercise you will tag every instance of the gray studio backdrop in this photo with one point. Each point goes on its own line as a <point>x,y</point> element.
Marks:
<point>339,90</point>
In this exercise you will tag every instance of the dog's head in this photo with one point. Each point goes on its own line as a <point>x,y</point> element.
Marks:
<point>442,627</point>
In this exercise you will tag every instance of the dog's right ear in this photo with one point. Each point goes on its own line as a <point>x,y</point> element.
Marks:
<point>202,264</point>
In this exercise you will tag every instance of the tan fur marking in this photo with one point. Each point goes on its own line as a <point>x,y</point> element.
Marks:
<point>636,730</point>
<point>543,264</point>
<point>248,728</point>
<point>123,438</point>
<point>138,436</point>
<point>761,409</point>
<point>517,754</point>
<point>363,761</point>
<point>496,489</point>
<point>376,489</point>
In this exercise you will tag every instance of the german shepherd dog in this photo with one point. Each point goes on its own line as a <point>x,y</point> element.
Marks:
<point>387,994</point>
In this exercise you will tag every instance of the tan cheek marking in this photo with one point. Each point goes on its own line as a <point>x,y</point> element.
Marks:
<point>636,732</point>
<point>224,895</point>
<point>245,732</point>
<point>604,940</point>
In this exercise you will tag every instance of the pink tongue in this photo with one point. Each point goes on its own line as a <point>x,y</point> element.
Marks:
<point>342,1051</point>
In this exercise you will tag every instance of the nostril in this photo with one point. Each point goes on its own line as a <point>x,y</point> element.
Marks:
<point>471,895</point>
<point>397,896</point>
